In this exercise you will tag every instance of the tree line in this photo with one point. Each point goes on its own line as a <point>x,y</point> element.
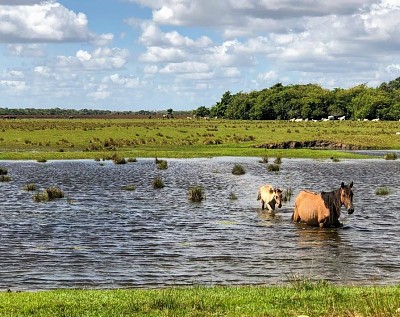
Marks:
<point>309,101</point>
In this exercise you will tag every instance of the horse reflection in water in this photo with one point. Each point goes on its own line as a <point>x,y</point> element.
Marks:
<point>323,209</point>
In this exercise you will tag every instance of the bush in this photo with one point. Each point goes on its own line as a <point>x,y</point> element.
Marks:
<point>157,183</point>
<point>238,170</point>
<point>196,193</point>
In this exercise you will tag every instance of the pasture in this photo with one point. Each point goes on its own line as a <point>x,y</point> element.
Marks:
<point>184,138</point>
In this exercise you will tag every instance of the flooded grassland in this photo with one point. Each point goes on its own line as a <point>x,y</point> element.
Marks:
<point>101,235</point>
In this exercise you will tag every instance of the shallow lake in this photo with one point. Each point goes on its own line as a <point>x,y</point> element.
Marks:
<point>101,236</point>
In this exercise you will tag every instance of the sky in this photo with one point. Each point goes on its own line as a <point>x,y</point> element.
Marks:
<point>182,54</point>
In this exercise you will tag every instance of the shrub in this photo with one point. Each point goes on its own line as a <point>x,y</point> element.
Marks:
<point>29,187</point>
<point>273,167</point>
<point>390,156</point>
<point>3,171</point>
<point>382,191</point>
<point>238,170</point>
<point>157,183</point>
<point>196,193</point>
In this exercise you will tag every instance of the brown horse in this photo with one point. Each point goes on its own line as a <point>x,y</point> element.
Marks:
<point>323,209</point>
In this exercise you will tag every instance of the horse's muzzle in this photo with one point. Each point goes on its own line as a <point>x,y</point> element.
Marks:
<point>350,211</point>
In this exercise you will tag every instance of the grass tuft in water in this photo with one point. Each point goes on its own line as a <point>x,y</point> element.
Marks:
<point>390,156</point>
<point>49,193</point>
<point>5,178</point>
<point>238,170</point>
<point>232,196</point>
<point>287,194</point>
<point>273,168</point>
<point>382,191</point>
<point>278,160</point>
<point>264,159</point>
<point>162,165</point>
<point>3,171</point>
<point>157,183</point>
<point>128,187</point>
<point>29,187</point>
<point>196,193</point>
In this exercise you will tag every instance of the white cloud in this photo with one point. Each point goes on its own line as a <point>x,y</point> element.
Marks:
<point>14,86</point>
<point>124,81</point>
<point>102,58</point>
<point>26,50</point>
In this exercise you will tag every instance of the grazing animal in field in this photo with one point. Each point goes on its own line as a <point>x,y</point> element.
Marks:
<point>270,197</point>
<point>323,209</point>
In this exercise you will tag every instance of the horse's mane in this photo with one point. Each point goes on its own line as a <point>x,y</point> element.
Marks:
<point>332,201</point>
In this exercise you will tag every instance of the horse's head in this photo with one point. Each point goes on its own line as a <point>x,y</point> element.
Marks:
<point>278,197</point>
<point>346,197</point>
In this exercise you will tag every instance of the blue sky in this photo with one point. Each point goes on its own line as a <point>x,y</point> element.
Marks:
<point>182,54</point>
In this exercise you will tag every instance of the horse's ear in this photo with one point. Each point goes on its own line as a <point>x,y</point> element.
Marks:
<point>271,190</point>
<point>351,184</point>
<point>342,185</point>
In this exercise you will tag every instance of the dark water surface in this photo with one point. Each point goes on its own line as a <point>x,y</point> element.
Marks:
<point>101,236</point>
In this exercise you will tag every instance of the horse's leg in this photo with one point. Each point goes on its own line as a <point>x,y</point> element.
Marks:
<point>262,204</point>
<point>295,215</point>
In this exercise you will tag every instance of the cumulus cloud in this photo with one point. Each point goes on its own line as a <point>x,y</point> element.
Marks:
<point>102,58</point>
<point>43,21</point>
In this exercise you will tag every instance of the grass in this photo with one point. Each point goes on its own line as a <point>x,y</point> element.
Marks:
<point>304,298</point>
<point>238,170</point>
<point>157,183</point>
<point>3,171</point>
<point>390,156</point>
<point>274,167</point>
<point>196,193</point>
<point>36,139</point>
<point>5,178</point>
<point>29,187</point>
<point>49,193</point>
<point>382,191</point>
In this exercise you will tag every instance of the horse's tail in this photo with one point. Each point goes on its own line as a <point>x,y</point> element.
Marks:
<point>295,214</point>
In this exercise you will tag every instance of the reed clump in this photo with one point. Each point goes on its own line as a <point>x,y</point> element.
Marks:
<point>117,159</point>
<point>5,178</point>
<point>382,191</point>
<point>196,193</point>
<point>3,171</point>
<point>238,170</point>
<point>390,156</point>
<point>274,168</point>
<point>157,183</point>
<point>49,193</point>
<point>29,187</point>
<point>287,194</point>
<point>128,187</point>
<point>162,165</point>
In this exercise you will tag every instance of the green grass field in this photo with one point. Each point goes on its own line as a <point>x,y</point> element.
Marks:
<point>302,298</point>
<point>99,138</point>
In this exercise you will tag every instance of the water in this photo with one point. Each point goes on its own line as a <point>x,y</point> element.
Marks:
<point>101,236</point>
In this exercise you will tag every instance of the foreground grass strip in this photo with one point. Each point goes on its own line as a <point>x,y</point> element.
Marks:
<point>312,300</point>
